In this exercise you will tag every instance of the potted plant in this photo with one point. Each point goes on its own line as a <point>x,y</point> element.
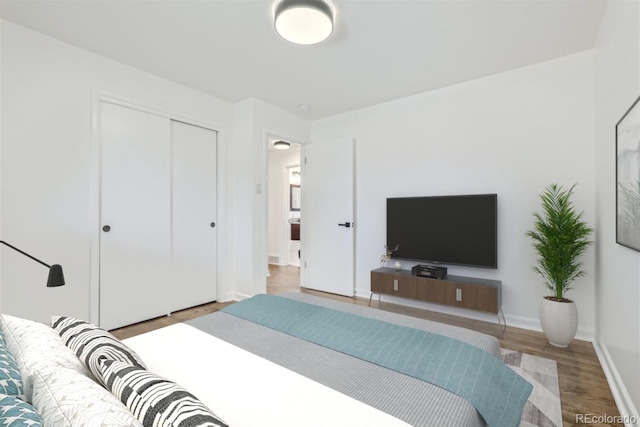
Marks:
<point>560,237</point>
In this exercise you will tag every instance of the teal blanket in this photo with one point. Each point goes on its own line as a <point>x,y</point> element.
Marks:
<point>497,392</point>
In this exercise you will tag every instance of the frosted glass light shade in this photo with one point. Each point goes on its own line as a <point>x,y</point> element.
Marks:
<point>304,21</point>
<point>281,145</point>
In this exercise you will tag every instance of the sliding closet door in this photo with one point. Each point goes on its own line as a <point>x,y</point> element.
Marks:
<point>193,215</point>
<point>135,246</point>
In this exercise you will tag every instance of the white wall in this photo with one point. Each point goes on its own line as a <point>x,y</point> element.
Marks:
<point>255,122</point>
<point>510,134</point>
<point>278,193</point>
<point>46,172</point>
<point>617,83</point>
<point>48,88</point>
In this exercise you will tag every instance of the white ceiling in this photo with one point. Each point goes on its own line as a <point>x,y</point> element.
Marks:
<point>380,50</point>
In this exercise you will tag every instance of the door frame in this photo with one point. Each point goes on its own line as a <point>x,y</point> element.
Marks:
<point>287,230</point>
<point>96,185</point>
<point>264,259</point>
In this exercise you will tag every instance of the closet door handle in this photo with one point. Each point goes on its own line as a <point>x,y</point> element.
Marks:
<point>106,228</point>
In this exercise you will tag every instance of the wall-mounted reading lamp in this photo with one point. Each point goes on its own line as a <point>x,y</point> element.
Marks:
<point>56,278</point>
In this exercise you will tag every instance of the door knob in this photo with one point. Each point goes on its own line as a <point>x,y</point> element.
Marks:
<point>346,224</point>
<point>213,224</point>
<point>106,228</point>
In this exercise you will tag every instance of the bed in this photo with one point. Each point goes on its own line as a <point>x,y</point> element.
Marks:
<point>354,391</point>
<point>288,360</point>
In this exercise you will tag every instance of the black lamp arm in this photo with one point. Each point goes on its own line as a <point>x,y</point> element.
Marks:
<point>56,276</point>
<point>24,253</point>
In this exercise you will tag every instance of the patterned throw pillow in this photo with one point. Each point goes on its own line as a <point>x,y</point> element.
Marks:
<point>15,412</point>
<point>65,398</point>
<point>10,377</point>
<point>92,344</point>
<point>156,401</point>
<point>35,344</point>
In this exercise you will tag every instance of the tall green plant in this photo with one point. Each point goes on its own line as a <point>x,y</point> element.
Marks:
<point>560,236</point>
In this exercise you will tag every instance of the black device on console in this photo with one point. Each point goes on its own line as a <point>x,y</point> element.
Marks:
<point>429,271</point>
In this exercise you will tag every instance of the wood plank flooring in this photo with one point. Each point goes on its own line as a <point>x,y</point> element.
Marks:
<point>583,386</point>
<point>161,322</point>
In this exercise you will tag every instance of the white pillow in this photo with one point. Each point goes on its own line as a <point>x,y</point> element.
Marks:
<point>35,344</point>
<point>66,398</point>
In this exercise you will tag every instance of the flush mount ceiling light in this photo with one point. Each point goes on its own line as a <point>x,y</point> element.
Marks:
<point>281,145</point>
<point>304,21</point>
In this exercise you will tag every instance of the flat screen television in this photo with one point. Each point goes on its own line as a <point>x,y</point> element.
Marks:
<point>460,230</point>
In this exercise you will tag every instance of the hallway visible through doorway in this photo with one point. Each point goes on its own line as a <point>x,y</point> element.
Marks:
<point>283,278</point>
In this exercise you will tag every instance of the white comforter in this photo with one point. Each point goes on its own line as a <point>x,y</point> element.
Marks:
<point>246,390</point>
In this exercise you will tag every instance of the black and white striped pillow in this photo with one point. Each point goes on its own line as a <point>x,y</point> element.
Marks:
<point>92,344</point>
<point>154,400</point>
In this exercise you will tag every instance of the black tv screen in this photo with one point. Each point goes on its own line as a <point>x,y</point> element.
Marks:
<point>461,230</point>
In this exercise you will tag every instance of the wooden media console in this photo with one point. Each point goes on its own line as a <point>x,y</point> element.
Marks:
<point>455,291</point>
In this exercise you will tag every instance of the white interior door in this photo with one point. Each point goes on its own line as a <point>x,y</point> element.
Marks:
<point>193,215</point>
<point>135,250</point>
<point>327,215</point>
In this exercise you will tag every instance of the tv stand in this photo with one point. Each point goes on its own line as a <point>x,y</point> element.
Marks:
<point>454,291</point>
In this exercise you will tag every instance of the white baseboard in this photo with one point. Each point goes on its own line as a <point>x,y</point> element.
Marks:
<point>233,296</point>
<point>627,409</point>
<point>532,324</point>
<point>476,315</point>
<point>277,259</point>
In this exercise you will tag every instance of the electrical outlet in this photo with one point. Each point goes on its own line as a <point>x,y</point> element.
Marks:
<point>458,294</point>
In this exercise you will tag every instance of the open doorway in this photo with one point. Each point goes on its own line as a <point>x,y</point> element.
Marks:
<point>284,216</point>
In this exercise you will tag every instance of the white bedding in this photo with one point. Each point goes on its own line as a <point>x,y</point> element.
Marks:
<point>246,390</point>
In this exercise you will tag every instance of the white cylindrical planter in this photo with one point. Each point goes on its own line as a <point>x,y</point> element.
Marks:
<point>559,321</point>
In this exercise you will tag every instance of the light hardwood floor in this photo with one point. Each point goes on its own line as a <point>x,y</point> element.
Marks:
<point>583,386</point>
